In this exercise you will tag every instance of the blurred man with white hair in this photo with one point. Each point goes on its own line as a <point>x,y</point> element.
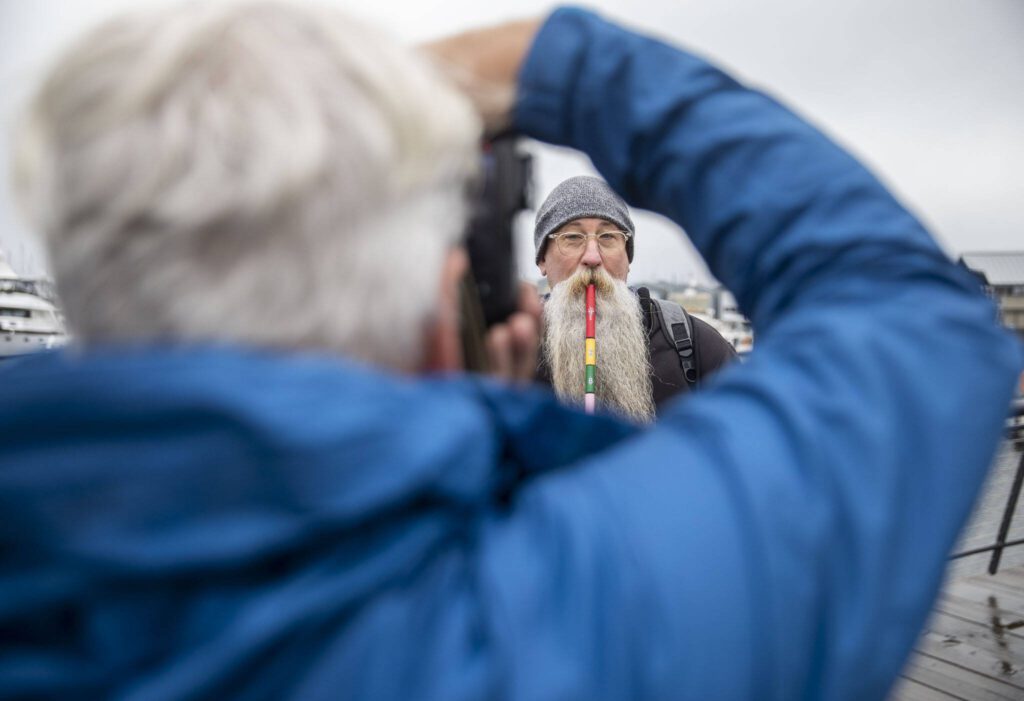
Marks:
<point>650,349</point>
<point>246,481</point>
<point>244,176</point>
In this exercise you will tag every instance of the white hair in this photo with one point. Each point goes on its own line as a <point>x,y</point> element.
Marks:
<point>623,372</point>
<point>262,172</point>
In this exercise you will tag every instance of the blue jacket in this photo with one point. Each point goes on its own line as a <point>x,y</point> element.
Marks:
<point>216,522</point>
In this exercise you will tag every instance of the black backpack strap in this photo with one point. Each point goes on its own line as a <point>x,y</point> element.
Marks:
<point>678,330</point>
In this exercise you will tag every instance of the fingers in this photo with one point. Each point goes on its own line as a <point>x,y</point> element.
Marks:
<point>499,352</point>
<point>484,64</point>
<point>529,301</point>
<point>525,342</point>
<point>513,347</point>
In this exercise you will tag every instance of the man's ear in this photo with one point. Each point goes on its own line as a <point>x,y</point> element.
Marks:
<point>443,340</point>
<point>543,266</point>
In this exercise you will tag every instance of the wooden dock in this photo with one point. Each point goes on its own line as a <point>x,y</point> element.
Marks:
<point>973,644</point>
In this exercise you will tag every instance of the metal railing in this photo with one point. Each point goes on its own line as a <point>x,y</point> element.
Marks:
<point>1015,434</point>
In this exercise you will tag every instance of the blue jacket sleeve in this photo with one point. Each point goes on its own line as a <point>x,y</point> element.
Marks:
<point>780,535</point>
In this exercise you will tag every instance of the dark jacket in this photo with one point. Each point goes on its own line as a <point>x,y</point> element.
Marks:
<point>235,524</point>
<point>711,352</point>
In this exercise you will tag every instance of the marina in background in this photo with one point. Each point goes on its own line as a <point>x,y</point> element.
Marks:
<point>29,318</point>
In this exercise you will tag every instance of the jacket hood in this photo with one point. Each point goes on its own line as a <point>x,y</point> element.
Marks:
<point>115,447</point>
<point>174,489</point>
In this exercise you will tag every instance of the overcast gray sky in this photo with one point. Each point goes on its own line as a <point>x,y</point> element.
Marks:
<point>930,93</point>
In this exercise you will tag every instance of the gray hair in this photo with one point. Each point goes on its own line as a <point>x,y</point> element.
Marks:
<point>256,172</point>
<point>624,383</point>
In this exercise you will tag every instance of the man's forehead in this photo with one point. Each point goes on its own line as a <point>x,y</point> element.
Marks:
<point>577,223</point>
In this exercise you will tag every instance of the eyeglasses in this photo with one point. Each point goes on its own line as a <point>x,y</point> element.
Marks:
<point>571,243</point>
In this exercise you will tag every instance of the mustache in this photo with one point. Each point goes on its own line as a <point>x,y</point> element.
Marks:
<point>603,283</point>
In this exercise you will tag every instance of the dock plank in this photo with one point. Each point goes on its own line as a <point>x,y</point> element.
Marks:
<point>973,655</point>
<point>993,593</point>
<point>910,690</point>
<point>952,605</point>
<point>972,647</point>
<point>957,681</point>
<point>989,636</point>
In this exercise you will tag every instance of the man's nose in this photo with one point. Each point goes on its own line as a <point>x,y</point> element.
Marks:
<point>592,254</point>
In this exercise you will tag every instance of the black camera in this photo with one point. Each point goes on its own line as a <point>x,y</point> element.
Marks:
<point>491,291</point>
<point>504,191</point>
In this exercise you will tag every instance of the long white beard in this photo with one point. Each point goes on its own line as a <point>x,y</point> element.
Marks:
<point>623,357</point>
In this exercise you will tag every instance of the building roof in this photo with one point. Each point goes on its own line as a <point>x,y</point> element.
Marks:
<point>1004,268</point>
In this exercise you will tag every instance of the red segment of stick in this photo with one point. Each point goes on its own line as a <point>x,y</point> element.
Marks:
<point>591,310</point>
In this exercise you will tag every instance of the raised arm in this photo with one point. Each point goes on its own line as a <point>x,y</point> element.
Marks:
<point>782,534</point>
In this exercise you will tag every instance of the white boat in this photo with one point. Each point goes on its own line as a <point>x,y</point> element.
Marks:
<point>29,321</point>
<point>737,330</point>
<point>734,328</point>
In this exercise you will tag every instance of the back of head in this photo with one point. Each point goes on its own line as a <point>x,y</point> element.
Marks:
<point>267,173</point>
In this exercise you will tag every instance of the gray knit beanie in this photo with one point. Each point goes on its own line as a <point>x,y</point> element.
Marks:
<point>577,198</point>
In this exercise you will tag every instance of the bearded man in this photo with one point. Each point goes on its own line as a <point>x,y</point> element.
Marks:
<point>649,350</point>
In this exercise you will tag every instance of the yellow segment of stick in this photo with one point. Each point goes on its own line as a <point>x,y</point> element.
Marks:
<point>591,354</point>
